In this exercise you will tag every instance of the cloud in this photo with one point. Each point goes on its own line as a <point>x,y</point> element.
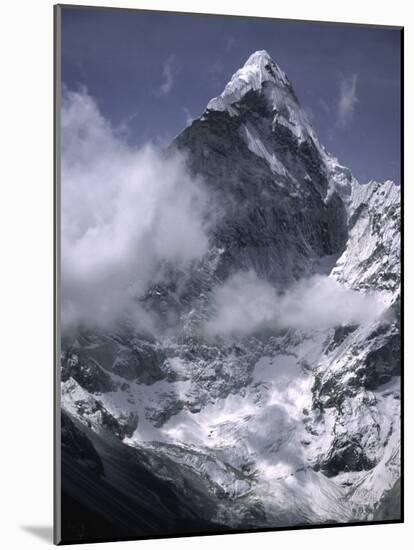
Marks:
<point>217,68</point>
<point>347,100</point>
<point>124,127</point>
<point>168,76</point>
<point>124,213</point>
<point>245,304</point>
<point>216,74</point>
<point>188,116</point>
<point>325,105</point>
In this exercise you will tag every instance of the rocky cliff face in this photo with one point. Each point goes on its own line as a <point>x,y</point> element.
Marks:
<point>277,192</point>
<point>248,428</point>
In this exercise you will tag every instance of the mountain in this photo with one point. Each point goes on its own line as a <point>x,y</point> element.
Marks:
<point>243,430</point>
<point>283,197</point>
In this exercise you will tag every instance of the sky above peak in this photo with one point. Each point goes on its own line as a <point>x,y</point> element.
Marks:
<point>152,73</point>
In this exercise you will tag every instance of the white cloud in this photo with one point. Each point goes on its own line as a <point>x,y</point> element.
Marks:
<point>124,212</point>
<point>347,100</point>
<point>245,304</point>
<point>168,76</point>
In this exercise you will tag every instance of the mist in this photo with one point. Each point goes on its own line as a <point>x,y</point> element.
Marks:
<point>124,211</point>
<point>245,304</point>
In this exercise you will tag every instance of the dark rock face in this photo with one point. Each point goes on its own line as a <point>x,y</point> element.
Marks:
<point>383,363</point>
<point>122,426</point>
<point>271,222</point>
<point>140,361</point>
<point>346,455</point>
<point>109,491</point>
<point>130,357</point>
<point>339,336</point>
<point>87,373</point>
<point>76,445</point>
<point>390,506</point>
<point>373,360</point>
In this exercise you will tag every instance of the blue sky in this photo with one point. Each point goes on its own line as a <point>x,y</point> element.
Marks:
<point>151,72</point>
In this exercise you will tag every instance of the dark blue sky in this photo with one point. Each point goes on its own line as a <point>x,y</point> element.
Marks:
<point>150,71</point>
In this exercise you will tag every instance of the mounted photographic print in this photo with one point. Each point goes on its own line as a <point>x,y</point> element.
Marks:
<point>228,272</point>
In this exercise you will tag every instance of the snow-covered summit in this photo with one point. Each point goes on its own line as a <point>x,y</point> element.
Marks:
<point>258,69</point>
<point>261,62</point>
<point>273,114</point>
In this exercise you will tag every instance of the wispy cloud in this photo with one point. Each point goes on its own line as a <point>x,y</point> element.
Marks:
<point>188,116</point>
<point>245,304</point>
<point>124,128</point>
<point>324,105</point>
<point>347,100</point>
<point>168,70</point>
<point>216,74</point>
<point>217,68</point>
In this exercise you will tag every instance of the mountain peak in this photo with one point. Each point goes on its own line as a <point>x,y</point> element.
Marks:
<point>275,113</point>
<point>258,69</point>
<point>259,57</point>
